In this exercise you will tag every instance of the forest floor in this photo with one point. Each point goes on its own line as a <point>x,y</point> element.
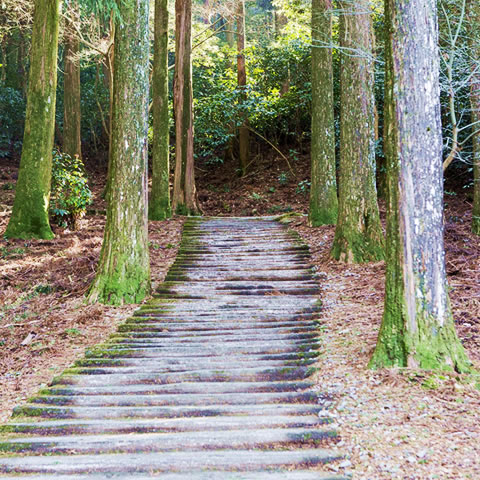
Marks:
<point>395,424</point>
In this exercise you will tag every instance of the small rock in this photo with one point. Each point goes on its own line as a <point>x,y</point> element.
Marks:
<point>345,464</point>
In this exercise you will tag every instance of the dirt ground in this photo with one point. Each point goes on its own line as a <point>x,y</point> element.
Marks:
<point>398,424</point>
<point>394,424</point>
<point>44,322</point>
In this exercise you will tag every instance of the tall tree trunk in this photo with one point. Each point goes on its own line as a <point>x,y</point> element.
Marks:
<point>159,205</point>
<point>417,328</point>
<point>474,38</point>
<point>123,274</point>
<point>243,132</point>
<point>13,78</point>
<point>30,210</point>
<point>323,190</point>
<point>72,143</point>
<point>184,193</point>
<point>358,236</point>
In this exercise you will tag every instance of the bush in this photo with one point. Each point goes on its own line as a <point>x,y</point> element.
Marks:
<point>70,193</point>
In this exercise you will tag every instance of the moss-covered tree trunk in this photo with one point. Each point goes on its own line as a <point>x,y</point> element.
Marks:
<point>243,131</point>
<point>159,205</point>
<point>474,37</point>
<point>72,115</point>
<point>417,329</point>
<point>123,274</point>
<point>323,190</point>
<point>184,193</point>
<point>30,210</point>
<point>358,236</point>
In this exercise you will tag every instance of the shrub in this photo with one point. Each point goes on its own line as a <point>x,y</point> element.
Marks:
<point>70,193</point>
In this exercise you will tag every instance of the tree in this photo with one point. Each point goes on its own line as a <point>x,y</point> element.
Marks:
<point>123,274</point>
<point>72,117</point>
<point>29,217</point>
<point>243,131</point>
<point>323,190</point>
<point>474,38</point>
<point>159,205</point>
<point>358,236</point>
<point>417,328</point>
<point>184,192</point>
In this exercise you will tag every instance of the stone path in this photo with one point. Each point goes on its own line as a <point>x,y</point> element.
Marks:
<point>209,380</point>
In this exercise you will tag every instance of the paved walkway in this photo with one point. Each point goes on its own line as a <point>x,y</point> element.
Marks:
<point>209,380</point>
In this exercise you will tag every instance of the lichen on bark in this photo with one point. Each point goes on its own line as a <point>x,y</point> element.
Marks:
<point>29,217</point>
<point>358,236</point>
<point>417,328</point>
<point>323,190</point>
<point>123,274</point>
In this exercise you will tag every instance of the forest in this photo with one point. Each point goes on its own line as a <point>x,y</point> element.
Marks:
<point>298,161</point>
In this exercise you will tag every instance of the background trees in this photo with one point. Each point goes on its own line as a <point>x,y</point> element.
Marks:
<point>258,105</point>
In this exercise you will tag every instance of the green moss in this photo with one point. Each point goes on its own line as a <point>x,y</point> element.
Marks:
<point>318,216</point>
<point>355,247</point>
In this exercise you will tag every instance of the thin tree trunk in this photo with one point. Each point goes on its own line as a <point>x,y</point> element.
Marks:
<point>72,143</point>
<point>30,210</point>
<point>159,205</point>
<point>243,130</point>
<point>123,274</point>
<point>417,329</point>
<point>323,190</point>
<point>358,236</point>
<point>12,61</point>
<point>184,193</point>
<point>474,38</point>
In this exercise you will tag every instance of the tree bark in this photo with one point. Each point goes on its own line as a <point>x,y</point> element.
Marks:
<point>243,131</point>
<point>417,329</point>
<point>123,274</point>
<point>358,236</point>
<point>159,205</point>
<point>30,210</point>
<point>72,117</point>
<point>474,39</point>
<point>184,192</point>
<point>323,190</point>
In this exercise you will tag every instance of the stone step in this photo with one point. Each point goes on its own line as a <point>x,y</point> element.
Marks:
<point>152,425</point>
<point>200,349</point>
<point>128,400</point>
<point>207,381</point>
<point>227,460</point>
<point>169,442</point>
<point>186,388</point>
<point>180,365</point>
<point>132,375</point>
<point>48,411</point>
<point>201,475</point>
